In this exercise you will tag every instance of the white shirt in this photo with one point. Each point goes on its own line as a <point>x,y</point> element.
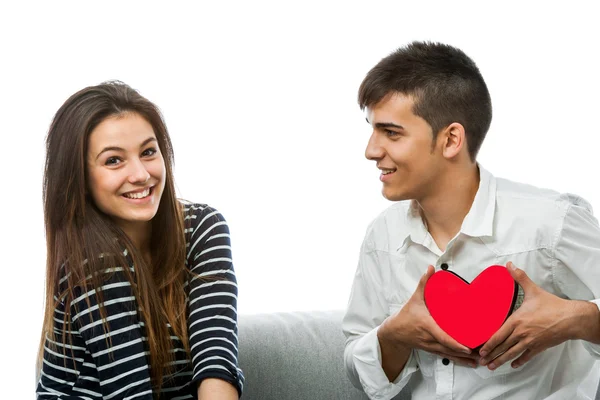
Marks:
<point>553,237</point>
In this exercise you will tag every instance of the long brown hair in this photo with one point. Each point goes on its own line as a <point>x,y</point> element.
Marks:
<point>77,232</point>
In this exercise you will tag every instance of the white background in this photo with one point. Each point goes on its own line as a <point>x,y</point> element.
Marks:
<point>260,100</point>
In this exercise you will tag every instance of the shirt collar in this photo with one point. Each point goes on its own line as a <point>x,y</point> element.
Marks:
<point>417,230</point>
<point>480,219</point>
<point>478,222</point>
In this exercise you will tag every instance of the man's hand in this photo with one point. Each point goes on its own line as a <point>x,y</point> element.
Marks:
<point>543,321</point>
<point>414,328</point>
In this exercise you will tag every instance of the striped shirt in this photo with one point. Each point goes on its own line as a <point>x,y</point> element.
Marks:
<point>91,368</point>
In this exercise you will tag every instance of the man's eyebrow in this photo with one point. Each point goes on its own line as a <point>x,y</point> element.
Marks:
<point>116,148</point>
<point>384,125</point>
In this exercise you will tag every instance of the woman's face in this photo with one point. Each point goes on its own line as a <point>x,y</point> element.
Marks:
<point>126,171</point>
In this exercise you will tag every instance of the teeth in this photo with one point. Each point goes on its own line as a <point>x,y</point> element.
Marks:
<point>386,172</point>
<point>140,195</point>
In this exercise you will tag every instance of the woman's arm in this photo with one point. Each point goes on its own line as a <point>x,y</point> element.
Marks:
<point>212,388</point>
<point>212,321</point>
<point>108,366</point>
<point>120,355</point>
<point>61,363</point>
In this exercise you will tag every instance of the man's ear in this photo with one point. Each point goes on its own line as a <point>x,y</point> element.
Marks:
<point>453,140</point>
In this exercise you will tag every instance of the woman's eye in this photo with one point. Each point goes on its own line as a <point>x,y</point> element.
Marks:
<point>149,152</point>
<point>112,161</point>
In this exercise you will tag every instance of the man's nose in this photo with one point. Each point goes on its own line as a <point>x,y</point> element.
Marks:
<point>374,151</point>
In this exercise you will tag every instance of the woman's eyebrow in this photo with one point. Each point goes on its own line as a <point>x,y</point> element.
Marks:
<point>116,148</point>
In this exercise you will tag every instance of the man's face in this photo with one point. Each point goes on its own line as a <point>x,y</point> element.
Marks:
<point>401,144</point>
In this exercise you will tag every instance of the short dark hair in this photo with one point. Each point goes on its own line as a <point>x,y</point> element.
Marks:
<point>443,81</point>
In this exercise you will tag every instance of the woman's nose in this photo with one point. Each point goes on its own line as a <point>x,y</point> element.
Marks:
<point>138,172</point>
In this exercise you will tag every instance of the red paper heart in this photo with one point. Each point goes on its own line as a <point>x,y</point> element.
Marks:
<point>471,313</point>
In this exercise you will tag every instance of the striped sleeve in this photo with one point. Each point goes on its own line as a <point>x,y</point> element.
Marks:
<point>62,364</point>
<point>119,355</point>
<point>116,366</point>
<point>212,321</point>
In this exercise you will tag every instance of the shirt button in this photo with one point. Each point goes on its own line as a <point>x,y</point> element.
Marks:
<point>445,361</point>
<point>444,267</point>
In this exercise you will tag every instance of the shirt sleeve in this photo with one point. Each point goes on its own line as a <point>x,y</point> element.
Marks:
<point>577,259</point>
<point>212,321</point>
<point>366,311</point>
<point>118,355</point>
<point>61,363</point>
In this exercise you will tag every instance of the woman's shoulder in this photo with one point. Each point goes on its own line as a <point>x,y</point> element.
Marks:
<point>204,226</point>
<point>192,210</point>
<point>201,216</point>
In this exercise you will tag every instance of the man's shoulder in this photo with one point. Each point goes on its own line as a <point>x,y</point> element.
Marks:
<point>393,214</point>
<point>389,226</point>
<point>527,197</point>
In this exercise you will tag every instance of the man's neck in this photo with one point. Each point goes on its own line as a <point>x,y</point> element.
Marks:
<point>445,209</point>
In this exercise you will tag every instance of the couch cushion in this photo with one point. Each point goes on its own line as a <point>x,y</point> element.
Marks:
<point>289,356</point>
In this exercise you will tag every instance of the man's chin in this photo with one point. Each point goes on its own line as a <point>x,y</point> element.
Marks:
<point>394,195</point>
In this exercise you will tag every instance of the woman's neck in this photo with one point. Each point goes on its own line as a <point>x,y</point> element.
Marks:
<point>139,233</point>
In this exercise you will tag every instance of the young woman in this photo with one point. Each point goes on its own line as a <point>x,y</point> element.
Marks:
<point>141,294</point>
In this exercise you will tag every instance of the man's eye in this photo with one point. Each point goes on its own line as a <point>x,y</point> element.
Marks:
<point>112,161</point>
<point>149,152</point>
<point>390,133</point>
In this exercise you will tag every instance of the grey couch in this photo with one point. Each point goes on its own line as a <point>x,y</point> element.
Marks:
<point>296,356</point>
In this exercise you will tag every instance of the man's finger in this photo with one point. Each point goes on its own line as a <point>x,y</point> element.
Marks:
<point>520,277</point>
<point>438,348</point>
<point>489,350</point>
<point>500,350</point>
<point>510,354</point>
<point>446,340</point>
<point>472,357</point>
<point>523,358</point>
<point>421,287</point>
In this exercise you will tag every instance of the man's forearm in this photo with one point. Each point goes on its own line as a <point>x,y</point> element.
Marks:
<point>393,355</point>
<point>588,328</point>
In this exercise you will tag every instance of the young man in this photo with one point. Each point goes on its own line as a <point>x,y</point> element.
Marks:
<point>430,110</point>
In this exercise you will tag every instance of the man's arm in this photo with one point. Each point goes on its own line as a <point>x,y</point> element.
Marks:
<point>589,316</point>
<point>577,271</point>
<point>545,320</point>
<point>364,354</point>
<point>393,355</point>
